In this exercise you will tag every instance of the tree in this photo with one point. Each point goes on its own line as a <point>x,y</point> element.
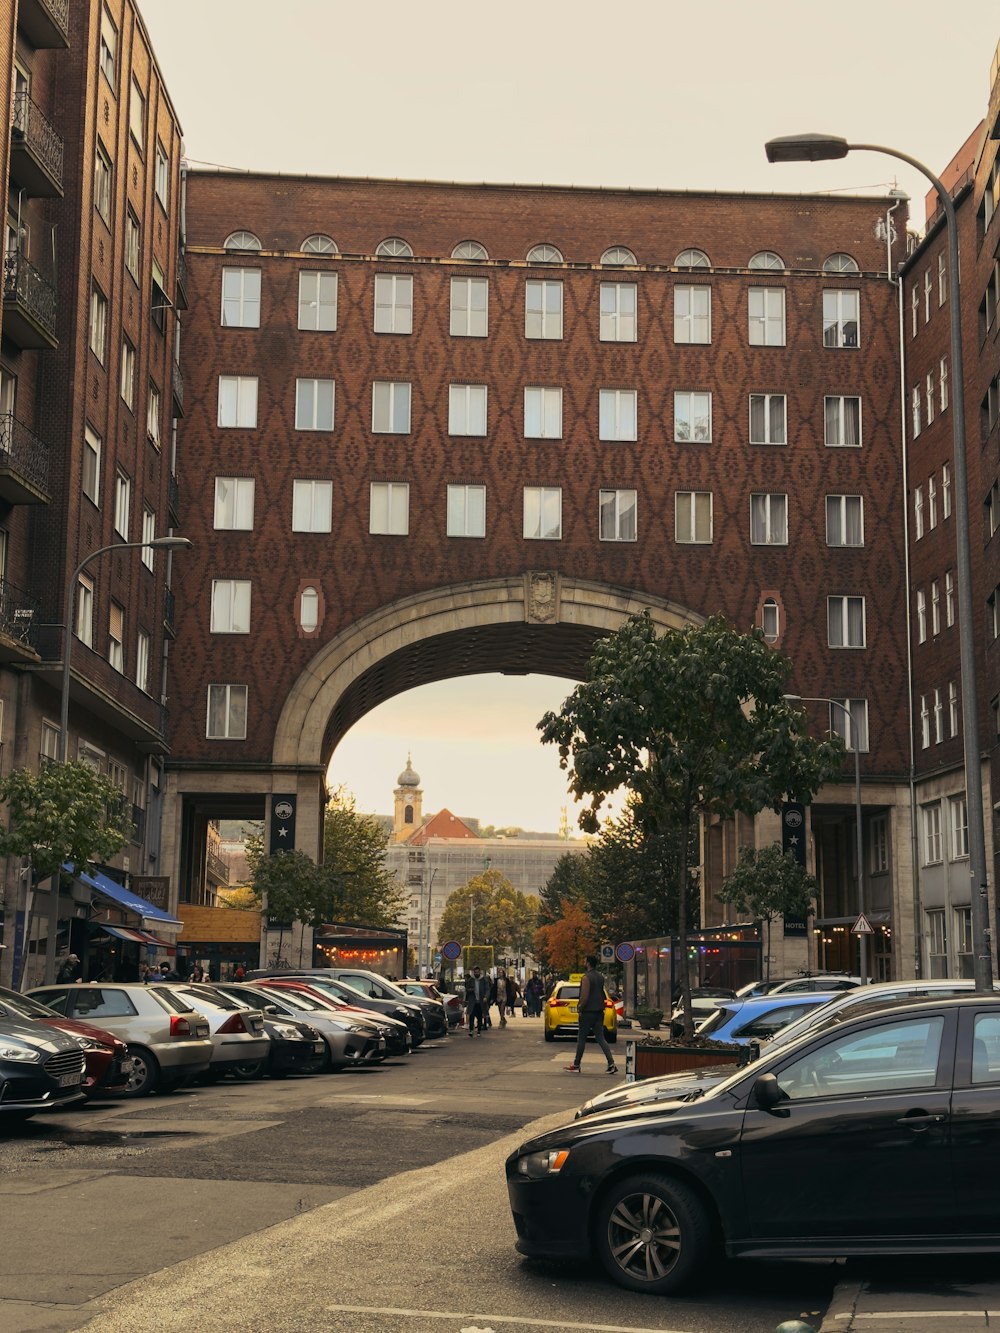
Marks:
<point>693,722</point>
<point>362,891</point>
<point>63,813</point>
<point>568,880</point>
<point>501,916</point>
<point>564,944</point>
<point>241,899</point>
<point>293,887</point>
<point>768,883</point>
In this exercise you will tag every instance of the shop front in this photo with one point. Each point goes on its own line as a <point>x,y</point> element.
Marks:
<point>727,957</point>
<point>220,940</point>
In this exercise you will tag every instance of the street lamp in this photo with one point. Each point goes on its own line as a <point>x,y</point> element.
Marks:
<point>822,147</point>
<point>859,841</point>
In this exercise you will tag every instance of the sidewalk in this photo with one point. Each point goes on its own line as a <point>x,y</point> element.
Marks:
<point>945,1307</point>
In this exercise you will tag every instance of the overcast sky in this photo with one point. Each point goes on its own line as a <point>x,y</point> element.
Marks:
<point>641,93</point>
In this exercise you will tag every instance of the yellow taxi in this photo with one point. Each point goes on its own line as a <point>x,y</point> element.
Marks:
<point>559,1015</point>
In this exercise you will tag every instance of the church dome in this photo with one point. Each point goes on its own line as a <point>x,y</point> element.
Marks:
<point>408,778</point>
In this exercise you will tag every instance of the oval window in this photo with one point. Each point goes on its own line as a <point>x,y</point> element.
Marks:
<point>309,609</point>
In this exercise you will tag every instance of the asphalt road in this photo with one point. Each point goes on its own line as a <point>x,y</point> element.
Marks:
<point>371,1200</point>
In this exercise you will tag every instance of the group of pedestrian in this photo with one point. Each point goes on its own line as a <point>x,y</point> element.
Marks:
<point>483,993</point>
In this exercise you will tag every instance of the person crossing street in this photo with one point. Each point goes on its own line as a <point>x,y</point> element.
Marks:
<point>590,1017</point>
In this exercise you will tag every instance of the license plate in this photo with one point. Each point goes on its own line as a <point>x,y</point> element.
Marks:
<point>571,1008</point>
<point>69,1080</point>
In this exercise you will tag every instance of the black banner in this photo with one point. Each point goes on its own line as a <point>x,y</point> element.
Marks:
<point>793,843</point>
<point>282,824</point>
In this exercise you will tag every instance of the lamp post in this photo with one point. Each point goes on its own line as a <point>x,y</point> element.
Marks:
<point>156,544</point>
<point>859,841</point>
<point>822,147</point>
<point>430,942</point>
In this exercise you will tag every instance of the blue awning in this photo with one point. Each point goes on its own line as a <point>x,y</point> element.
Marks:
<point>118,893</point>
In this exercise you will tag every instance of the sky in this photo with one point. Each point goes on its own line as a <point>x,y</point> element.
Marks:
<point>642,94</point>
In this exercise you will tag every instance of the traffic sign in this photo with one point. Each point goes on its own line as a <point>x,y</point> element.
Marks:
<point>452,950</point>
<point>607,953</point>
<point>625,952</point>
<point>862,926</point>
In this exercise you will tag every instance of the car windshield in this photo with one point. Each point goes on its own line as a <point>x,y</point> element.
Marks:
<point>176,1004</point>
<point>213,997</point>
<point>567,993</point>
<point>300,1000</point>
<point>13,1003</point>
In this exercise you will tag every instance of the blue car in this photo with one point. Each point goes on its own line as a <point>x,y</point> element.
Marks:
<point>758,1017</point>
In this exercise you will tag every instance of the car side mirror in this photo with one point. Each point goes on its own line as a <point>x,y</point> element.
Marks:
<point>271,1009</point>
<point>768,1095</point>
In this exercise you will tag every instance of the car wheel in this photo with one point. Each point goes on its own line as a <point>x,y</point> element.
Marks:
<point>144,1075</point>
<point>652,1234</point>
<point>549,1036</point>
<point>247,1070</point>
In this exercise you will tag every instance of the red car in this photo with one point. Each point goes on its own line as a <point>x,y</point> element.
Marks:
<point>107,1059</point>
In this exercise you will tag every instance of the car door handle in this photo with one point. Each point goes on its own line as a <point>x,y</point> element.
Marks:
<point>919,1120</point>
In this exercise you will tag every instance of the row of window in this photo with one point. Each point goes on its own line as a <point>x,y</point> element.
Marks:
<point>90,480</point>
<point>543,308</point>
<point>933,831</point>
<point>618,411</point>
<point>116,632</point>
<point>108,61</point>
<point>938,961</point>
<point>925,515</point>
<point>389,502</point>
<point>932,716</point>
<point>616,256</point>
<point>935,607</point>
<point>128,366</point>
<point>921,294</point>
<point>922,398</point>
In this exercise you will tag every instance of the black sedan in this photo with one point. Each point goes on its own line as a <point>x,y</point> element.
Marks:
<point>881,1136</point>
<point>41,1069</point>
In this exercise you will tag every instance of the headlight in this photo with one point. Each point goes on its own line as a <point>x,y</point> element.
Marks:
<point>14,1051</point>
<point>538,1165</point>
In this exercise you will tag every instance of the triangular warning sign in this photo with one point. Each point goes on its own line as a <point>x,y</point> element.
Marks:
<point>862,926</point>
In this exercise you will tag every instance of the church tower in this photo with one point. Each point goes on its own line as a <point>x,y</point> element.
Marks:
<point>407,811</point>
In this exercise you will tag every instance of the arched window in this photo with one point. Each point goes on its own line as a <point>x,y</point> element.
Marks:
<point>618,254</point>
<point>309,609</point>
<point>319,245</point>
<point>470,250</point>
<point>241,240</point>
<point>692,259</point>
<point>766,259</point>
<point>408,814</point>
<point>544,254</point>
<point>840,263</point>
<point>394,248</point>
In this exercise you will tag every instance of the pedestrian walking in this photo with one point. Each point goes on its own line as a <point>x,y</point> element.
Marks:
<point>477,997</point>
<point>503,993</point>
<point>533,991</point>
<point>590,1016</point>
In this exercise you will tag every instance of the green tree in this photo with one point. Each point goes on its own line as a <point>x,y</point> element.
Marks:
<point>241,899</point>
<point>693,722</point>
<point>501,915</point>
<point>768,883</point>
<point>362,891</point>
<point>567,881</point>
<point>63,813</point>
<point>293,887</point>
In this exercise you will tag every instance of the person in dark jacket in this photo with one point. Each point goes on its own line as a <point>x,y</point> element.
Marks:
<point>590,1017</point>
<point>477,998</point>
<point>504,994</point>
<point>534,989</point>
<point>70,969</point>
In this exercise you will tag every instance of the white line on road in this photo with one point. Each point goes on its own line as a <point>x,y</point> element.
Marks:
<point>884,1316</point>
<point>524,1321</point>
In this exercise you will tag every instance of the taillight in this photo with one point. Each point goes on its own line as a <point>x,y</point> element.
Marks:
<point>609,1004</point>
<point>555,1004</point>
<point>179,1027</point>
<point>234,1024</point>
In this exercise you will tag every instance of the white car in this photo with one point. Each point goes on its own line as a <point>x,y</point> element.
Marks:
<point>237,1031</point>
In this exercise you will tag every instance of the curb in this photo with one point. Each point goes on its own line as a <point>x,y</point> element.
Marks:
<point>839,1317</point>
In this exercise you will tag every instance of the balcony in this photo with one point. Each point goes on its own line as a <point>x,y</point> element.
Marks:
<point>24,464</point>
<point>177,389</point>
<point>36,151</point>
<point>216,869</point>
<point>19,617</point>
<point>45,23</point>
<point>29,304</point>
<point>173,498</point>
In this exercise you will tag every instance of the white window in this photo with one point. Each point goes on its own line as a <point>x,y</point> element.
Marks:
<point>914,310</point>
<point>227,713</point>
<point>543,513</point>
<point>393,247</point>
<point>390,508</point>
<point>466,511</point>
<point>243,241</point>
<point>925,723</point>
<point>137,116</point>
<point>931,504</point>
<point>769,520</point>
<point>393,303</point>
<point>851,726</point>
<point>102,183</point>
<point>542,413</point>
<point>952,709</point>
<point>935,606</point>
<point>946,490</point>
<point>469,307</point>
<point>878,833</point>
<point>309,609</point>
<point>929,397</point>
<point>693,516</point>
<point>238,401</point>
<point>845,520</point>
<point>543,309</point>
<point>162,177</point>
<point>840,263</point>
<point>123,498</point>
<point>318,244</point>
<point>116,636</point>
<point>234,497</point>
<point>918,512</point>
<point>617,516</point>
<point>767,418</point>
<point>133,243</point>
<point>842,422</point>
<point>241,298</point>
<point>770,620</point>
<point>466,409</point>
<point>943,382</point>
<point>471,251</point>
<point>932,833</point>
<point>692,314</point>
<point>921,616</point>
<point>915,410</point>
<point>942,279</point>
<point>85,610</point>
<point>109,48</point>
<point>544,254</point>
<point>98,324</point>
<point>142,661</point>
<point>692,416</point>
<point>618,254</point>
<point>153,414</point>
<point>230,606</point>
<point>618,307</point>
<point>767,316</point>
<point>91,477</point>
<point>317,301</point>
<point>937,939</point>
<point>312,506</point>
<point>938,718</point>
<point>845,619</point>
<point>841,312</point>
<point>128,374</point>
<point>390,407</point>
<point>964,948</point>
<point>949,598</point>
<point>148,535</point>
<point>928,287</point>
<point>617,414</point>
<point>766,259</point>
<point>314,404</point>
<point>692,259</point>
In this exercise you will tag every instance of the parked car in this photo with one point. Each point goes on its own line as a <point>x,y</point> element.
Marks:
<point>824,981</point>
<point>450,1004</point>
<point>107,1061</point>
<point>41,1069</point>
<point>704,1002</point>
<point>560,1013</point>
<point>767,1162</point>
<point>403,1008</point>
<point>376,987</point>
<point>757,1018</point>
<point>349,1040</point>
<point>168,1040</point>
<point>340,998</point>
<point>238,1038</point>
<point>296,1048</point>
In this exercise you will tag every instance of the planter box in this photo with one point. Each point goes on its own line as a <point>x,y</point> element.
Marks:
<point>645,1061</point>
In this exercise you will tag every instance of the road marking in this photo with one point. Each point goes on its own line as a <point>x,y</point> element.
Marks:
<point>883,1315</point>
<point>495,1319</point>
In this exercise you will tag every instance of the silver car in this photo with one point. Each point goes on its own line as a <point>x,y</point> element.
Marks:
<point>168,1039</point>
<point>349,1040</point>
<point>237,1030</point>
